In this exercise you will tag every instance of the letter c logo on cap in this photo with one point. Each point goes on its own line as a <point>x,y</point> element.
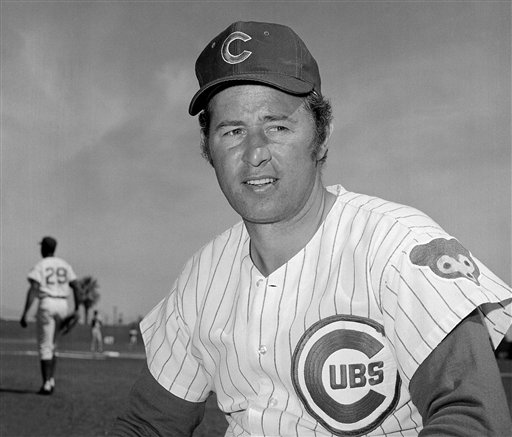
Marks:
<point>228,56</point>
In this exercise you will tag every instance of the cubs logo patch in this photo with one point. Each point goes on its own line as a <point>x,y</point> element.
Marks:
<point>345,375</point>
<point>448,259</point>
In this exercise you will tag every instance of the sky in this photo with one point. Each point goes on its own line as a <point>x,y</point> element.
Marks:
<point>98,149</point>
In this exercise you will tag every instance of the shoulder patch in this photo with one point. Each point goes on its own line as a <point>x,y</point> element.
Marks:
<point>448,259</point>
<point>345,376</point>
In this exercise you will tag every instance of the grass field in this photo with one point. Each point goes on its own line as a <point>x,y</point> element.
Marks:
<point>91,389</point>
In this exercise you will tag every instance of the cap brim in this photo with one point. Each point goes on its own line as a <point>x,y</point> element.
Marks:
<point>288,84</point>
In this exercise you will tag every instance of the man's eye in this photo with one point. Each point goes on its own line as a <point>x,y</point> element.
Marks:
<point>233,132</point>
<point>278,128</point>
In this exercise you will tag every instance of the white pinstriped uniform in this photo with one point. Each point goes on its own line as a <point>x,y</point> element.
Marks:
<point>265,344</point>
<point>53,275</point>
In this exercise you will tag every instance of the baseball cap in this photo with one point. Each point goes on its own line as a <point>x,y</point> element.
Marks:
<point>255,52</point>
<point>49,243</point>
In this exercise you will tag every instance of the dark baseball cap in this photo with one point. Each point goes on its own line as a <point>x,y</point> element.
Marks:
<point>48,243</point>
<point>253,52</point>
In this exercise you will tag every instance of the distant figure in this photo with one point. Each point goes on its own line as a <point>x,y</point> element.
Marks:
<point>133,335</point>
<point>96,335</point>
<point>50,281</point>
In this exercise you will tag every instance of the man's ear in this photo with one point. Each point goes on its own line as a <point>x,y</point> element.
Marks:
<point>205,150</point>
<point>203,142</point>
<point>322,149</point>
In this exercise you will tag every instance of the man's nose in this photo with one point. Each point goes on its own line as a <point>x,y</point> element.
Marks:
<point>256,150</point>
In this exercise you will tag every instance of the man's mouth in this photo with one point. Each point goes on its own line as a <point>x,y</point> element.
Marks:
<point>260,182</point>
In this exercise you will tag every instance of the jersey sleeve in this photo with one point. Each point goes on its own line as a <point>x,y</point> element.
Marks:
<point>430,285</point>
<point>168,339</point>
<point>71,273</point>
<point>36,274</point>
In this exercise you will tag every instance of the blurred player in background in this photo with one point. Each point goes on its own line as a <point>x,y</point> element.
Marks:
<point>133,334</point>
<point>96,334</point>
<point>323,312</point>
<point>51,281</point>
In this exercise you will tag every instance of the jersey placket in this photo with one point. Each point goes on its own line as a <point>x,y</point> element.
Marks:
<point>263,326</point>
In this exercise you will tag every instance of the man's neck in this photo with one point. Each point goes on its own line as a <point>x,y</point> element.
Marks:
<point>273,245</point>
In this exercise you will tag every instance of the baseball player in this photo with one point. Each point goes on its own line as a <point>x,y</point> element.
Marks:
<point>323,312</point>
<point>50,281</point>
<point>96,334</point>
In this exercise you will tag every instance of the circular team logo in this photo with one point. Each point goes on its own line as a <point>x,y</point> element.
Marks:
<point>345,375</point>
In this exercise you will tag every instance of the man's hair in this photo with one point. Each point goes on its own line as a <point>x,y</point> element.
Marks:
<point>318,106</point>
<point>47,251</point>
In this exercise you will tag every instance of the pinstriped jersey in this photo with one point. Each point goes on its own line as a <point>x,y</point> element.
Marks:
<point>328,343</point>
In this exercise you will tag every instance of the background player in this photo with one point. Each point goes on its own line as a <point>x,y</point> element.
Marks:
<point>324,312</point>
<point>96,334</point>
<point>50,282</point>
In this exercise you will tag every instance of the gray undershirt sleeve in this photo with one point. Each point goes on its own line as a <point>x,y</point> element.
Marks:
<point>458,389</point>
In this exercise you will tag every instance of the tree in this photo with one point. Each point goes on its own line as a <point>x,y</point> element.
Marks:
<point>90,295</point>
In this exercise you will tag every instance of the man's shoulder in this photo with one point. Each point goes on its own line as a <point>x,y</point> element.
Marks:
<point>38,265</point>
<point>41,264</point>
<point>54,261</point>
<point>223,244</point>
<point>395,214</point>
<point>214,256</point>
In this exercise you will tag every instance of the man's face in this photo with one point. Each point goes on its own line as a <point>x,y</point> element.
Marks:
<point>261,142</point>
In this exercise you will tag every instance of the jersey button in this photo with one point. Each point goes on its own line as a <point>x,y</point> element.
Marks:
<point>262,350</point>
<point>272,402</point>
